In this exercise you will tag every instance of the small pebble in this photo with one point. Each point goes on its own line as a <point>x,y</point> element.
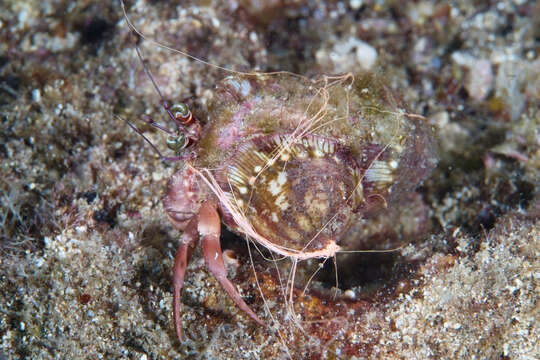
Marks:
<point>366,55</point>
<point>355,4</point>
<point>480,79</point>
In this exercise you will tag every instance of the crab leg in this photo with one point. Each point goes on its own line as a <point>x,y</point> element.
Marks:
<point>209,229</point>
<point>188,242</point>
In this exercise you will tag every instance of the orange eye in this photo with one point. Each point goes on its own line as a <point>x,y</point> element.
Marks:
<point>181,113</point>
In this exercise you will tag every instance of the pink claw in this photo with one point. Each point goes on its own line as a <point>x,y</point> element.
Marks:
<point>210,229</point>
<point>188,242</point>
<point>208,226</point>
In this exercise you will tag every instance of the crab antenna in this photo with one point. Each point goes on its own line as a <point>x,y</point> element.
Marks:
<point>151,122</point>
<point>144,137</point>
<point>164,103</point>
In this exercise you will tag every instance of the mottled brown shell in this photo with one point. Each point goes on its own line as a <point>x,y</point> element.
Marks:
<point>300,195</point>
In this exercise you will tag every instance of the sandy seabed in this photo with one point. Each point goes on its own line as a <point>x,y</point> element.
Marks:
<point>86,250</point>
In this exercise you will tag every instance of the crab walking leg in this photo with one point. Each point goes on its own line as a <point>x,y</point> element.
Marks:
<point>189,240</point>
<point>209,229</point>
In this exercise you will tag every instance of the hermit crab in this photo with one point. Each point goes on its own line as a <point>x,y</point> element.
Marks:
<point>290,163</point>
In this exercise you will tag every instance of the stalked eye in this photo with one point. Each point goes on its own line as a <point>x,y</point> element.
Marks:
<point>177,142</point>
<point>182,113</point>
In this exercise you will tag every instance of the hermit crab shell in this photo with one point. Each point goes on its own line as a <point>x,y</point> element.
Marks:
<point>300,196</point>
<point>297,160</point>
